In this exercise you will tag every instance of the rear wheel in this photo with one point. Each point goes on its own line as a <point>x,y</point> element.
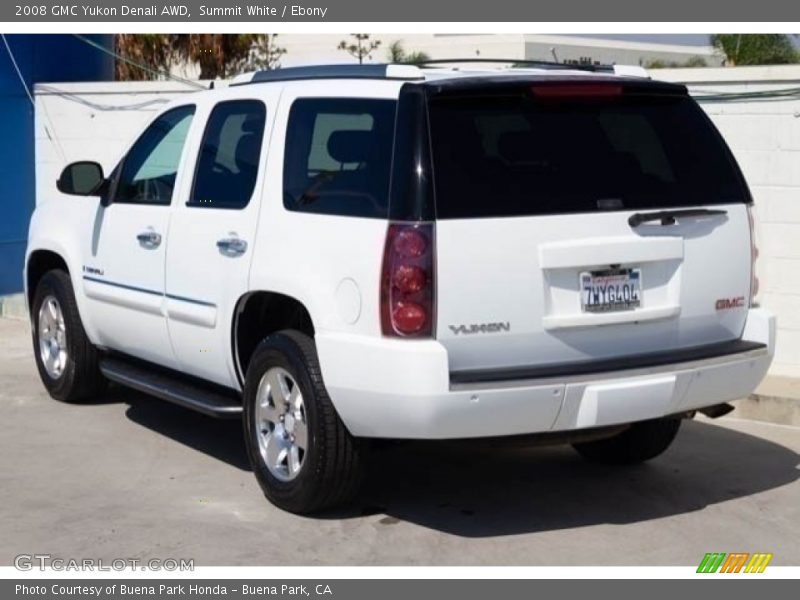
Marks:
<point>640,442</point>
<point>301,453</point>
<point>67,361</point>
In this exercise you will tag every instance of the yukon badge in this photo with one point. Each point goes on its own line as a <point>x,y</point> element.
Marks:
<point>480,328</point>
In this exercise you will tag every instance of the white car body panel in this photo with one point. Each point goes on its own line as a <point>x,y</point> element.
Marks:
<point>125,287</point>
<point>389,388</point>
<point>525,272</point>
<point>308,256</point>
<point>203,285</point>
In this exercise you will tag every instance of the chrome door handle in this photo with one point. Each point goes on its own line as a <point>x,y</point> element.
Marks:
<point>149,239</point>
<point>232,246</point>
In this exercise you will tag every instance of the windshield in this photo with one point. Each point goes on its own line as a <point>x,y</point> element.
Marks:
<point>515,154</point>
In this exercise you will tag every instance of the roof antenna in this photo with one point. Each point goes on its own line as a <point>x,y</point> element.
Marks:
<point>211,85</point>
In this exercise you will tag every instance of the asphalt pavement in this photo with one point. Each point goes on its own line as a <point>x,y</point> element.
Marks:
<point>134,477</point>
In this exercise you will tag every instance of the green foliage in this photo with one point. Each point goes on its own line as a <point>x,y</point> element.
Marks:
<point>756,49</point>
<point>693,62</point>
<point>361,47</point>
<point>266,54</point>
<point>397,54</point>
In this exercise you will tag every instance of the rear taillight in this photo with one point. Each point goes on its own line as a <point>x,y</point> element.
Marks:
<point>408,281</point>
<point>754,283</point>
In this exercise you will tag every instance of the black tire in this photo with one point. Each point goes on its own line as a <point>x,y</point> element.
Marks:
<point>640,442</point>
<point>80,379</point>
<point>333,466</point>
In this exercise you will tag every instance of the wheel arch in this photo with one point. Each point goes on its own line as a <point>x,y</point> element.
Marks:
<point>260,313</point>
<point>38,263</point>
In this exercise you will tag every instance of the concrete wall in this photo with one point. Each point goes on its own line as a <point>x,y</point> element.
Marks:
<point>97,121</point>
<point>92,121</point>
<point>593,50</point>
<point>765,137</point>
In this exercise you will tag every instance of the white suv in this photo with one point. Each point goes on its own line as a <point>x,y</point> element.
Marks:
<point>341,253</point>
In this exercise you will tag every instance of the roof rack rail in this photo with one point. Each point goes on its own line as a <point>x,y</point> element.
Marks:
<point>542,64</point>
<point>377,71</point>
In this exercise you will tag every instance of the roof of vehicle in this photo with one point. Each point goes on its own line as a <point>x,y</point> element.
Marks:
<point>467,73</point>
<point>435,71</point>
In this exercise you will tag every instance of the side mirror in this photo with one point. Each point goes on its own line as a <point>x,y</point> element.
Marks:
<point>83,178</point>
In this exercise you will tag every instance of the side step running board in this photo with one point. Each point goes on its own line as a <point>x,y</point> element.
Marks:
<point>172,388</point>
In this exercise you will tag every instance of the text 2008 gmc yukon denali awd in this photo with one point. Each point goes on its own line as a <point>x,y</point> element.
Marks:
<point>340,253</point>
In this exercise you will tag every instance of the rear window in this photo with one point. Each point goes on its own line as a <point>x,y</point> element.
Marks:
<point>514,155</point>
<point>338,156</point>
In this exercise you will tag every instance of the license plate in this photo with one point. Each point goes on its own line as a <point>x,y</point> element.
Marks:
<point>611,290</point>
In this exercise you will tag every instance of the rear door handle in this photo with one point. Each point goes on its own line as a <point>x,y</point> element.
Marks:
<point>149,239</point>
<point>232,246</point>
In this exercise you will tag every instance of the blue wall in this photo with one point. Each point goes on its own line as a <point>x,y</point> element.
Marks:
<point>41,58</point>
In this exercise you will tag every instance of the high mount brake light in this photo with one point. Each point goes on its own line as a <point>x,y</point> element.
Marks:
<point>408,283</point>
<point>577,90</point>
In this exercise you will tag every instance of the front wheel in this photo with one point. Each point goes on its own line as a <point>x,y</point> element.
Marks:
<point>640,442</point>
<point>68,363</point>
<point>301,453</point>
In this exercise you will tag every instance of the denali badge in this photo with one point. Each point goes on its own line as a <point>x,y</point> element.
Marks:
<point>728,303</point>
<point>480,328</point>
<point>92,270</point>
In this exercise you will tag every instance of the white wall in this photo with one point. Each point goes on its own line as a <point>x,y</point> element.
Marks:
<point>97,121</point>
<point>306,49</point>
<point>765,138</point>
<point>604,51</point>
<point>92,121</point>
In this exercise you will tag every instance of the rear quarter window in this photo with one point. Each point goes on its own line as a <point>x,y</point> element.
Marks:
<point>338,156</point>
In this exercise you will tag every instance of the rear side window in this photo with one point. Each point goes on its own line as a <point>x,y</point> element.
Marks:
<point>514,155</point>
<point>227,166</point>
<point>338,156</point>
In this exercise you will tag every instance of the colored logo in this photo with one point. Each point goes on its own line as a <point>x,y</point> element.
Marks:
<point>736,562</point>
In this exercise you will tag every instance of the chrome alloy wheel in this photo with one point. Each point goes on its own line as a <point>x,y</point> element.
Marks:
<point>282,428</point>
<point>52,335</point>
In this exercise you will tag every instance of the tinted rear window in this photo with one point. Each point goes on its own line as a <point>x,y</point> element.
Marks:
<point>513,155</point>
<point>227,166</point>
<point>338,156</point>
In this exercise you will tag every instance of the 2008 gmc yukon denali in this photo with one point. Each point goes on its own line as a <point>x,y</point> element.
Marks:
<point>340,253</point>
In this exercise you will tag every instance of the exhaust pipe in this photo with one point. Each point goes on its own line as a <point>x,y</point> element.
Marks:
<point>716,411</point>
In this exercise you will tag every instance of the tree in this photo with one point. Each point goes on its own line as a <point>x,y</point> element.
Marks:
<point>266,54</point>
<point>153,51</point>
<point>398,55</point>
<point>756,49</point>
<point>216,55</point>
<point>361,47</point>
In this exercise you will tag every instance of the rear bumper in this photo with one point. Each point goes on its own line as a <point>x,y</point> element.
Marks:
<point>400,389</point>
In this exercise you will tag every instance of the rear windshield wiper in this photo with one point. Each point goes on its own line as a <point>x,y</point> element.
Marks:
<point>669,217</point>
